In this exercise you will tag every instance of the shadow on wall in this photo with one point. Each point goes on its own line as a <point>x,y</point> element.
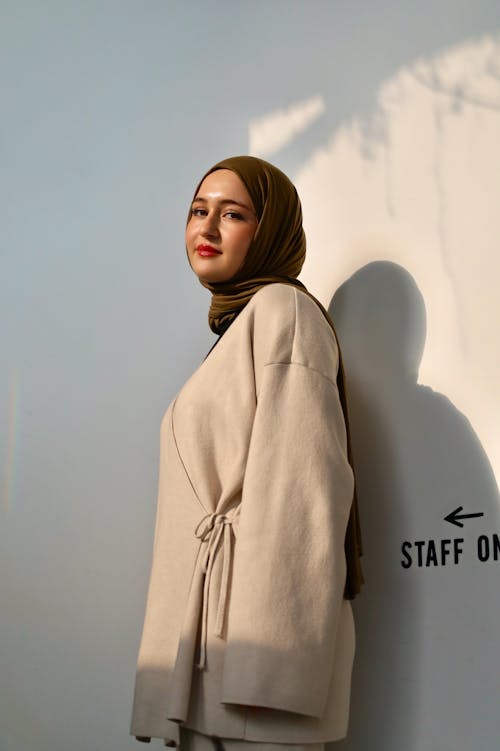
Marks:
<point>417,459</point>
<point>418,183</point>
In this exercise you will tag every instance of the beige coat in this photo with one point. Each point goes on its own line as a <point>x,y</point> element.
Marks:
<point>247,634</point>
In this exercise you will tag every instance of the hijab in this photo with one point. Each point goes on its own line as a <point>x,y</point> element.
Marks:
<point>278,248</point>
<point>276,254</point>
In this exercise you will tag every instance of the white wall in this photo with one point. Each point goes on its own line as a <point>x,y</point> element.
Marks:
<point>387,116</point>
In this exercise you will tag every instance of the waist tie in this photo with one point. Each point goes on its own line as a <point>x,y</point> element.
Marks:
<point>212,530</point>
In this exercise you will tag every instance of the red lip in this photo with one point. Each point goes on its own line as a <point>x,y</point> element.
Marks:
<point>207,251</point>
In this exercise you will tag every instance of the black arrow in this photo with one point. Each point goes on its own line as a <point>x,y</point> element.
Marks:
<point>455,516</point>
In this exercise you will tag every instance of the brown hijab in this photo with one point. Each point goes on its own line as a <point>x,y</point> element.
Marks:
<point>276,254</point>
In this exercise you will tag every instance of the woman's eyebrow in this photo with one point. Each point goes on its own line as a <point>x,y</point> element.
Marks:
<point>224,202</point>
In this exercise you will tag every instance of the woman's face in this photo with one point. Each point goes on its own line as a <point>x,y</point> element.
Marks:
<point>221,227</point>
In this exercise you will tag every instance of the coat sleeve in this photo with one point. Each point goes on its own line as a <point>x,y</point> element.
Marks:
<point>289,561</point>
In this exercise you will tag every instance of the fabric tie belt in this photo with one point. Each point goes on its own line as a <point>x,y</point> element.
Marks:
<point>214,533</point>
<point>215,530</point>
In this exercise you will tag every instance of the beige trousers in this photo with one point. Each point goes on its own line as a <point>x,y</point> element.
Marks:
<point>191,741</point>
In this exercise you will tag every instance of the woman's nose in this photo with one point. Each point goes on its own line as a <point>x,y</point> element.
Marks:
<point>210,225</point>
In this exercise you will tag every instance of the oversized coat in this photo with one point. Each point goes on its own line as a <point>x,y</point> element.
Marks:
<point>247,634</point>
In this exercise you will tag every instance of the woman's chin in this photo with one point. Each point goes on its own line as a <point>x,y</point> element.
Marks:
<point>211,275</point>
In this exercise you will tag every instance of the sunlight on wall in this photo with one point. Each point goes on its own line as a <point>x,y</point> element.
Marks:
<point>419,184</point>
<point>277,129</point>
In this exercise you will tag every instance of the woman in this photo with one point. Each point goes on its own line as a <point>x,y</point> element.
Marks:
<point>248,633</point>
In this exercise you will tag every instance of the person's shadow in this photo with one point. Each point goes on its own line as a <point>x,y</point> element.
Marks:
<point>427,662</point>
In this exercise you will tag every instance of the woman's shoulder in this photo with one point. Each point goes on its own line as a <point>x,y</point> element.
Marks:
<point>287,316</point>
<point>285,298</point>
<point>293,304</point>
<point>275,296</point>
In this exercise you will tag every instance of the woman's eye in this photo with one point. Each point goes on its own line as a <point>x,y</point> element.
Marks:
<point>197,211</point>
<point>233,215</point>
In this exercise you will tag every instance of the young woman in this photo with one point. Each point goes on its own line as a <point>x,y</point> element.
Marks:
<point>248,634</point>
